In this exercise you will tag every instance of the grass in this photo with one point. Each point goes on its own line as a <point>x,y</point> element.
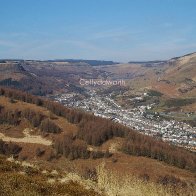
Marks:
<point>115,184</point>
<point>17,180</point>
<point>179,102</point>
<point>18,184</point>
<point>175,104</point>
<point>154,93</point>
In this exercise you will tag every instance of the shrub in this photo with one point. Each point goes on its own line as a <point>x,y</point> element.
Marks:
<point>9,148</point>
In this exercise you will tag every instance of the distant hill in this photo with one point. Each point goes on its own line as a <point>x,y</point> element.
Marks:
<point>45,77</point>
<point>175,77</point>
<point>148,63</point>
<point>13,74</point>
<point>12,70</point>
<point>90,62</point>
<point>181,72</point>
<point>186,55</point>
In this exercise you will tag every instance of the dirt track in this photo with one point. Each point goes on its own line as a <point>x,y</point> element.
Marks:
<point>33,139</point>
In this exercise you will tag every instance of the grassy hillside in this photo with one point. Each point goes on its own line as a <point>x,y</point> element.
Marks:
<point>91,131</point>
<point>54,137</point>
<point>16,180</point>
<point>174,79</point>
<point>13,74</point>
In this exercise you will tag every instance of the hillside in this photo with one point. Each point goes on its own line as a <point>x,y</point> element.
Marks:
<point>174,78</point>
<point>12,70</point>
<point>181,74</point>
<point>47,77</point>
<point>81,61</point>
<point>177,74</point>
<point>13,74</point>
<point>54,137</point>
<point>18,178</point>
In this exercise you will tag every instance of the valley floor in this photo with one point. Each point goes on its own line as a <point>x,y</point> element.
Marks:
<point>178,133</point>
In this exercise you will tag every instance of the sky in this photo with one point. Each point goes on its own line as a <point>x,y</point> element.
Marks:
<point>118,30</point>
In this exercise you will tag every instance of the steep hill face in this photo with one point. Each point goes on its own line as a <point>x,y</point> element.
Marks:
<point>44,77</point>
<point>13,74</point>
<point>12,70</point>
<point>15,67</point>
<point>180,75</point>
<point>174,79</point>
<point>182,68</point>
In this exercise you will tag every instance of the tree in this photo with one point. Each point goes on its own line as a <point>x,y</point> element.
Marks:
<point>49,126</point>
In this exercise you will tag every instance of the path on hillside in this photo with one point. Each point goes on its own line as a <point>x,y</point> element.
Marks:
<point>33,139</point>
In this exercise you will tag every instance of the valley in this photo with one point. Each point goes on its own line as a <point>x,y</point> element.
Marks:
<point>98,98</point>
<point>139,118</point>
<point>92,135</point>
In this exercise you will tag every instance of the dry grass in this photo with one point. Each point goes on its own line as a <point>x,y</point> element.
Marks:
<point>12,131</point>
<point>128,185</point>
<point>18,180</point>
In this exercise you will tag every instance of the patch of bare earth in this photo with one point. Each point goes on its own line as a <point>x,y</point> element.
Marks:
<point>28,138</point>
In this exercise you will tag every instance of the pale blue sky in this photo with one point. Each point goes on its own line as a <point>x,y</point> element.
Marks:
<point>119,30</point>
